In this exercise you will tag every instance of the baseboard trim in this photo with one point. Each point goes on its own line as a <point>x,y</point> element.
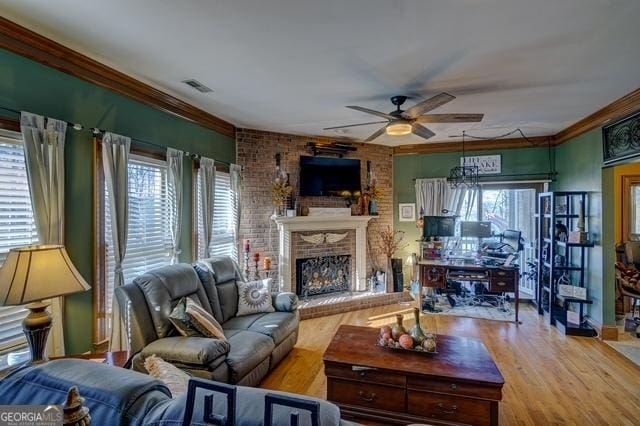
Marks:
<point>605,332</point>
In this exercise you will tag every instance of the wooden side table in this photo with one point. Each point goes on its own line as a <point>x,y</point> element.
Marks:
<point>116,358</point>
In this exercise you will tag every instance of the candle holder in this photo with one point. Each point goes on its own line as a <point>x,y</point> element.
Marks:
<point>256,259</point>
<point>246,265</point>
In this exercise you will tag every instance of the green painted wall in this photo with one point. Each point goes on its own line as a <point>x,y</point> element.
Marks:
<point>406,168</point>
<point>27,85</point>
<point>579,167</point>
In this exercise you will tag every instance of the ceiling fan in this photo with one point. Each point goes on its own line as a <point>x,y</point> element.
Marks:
<point>400,122</point>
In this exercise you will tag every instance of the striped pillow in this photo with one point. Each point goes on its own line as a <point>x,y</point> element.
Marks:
<point>203,321</point>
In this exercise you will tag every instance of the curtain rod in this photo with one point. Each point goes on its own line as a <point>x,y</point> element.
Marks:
<point>96,131</point>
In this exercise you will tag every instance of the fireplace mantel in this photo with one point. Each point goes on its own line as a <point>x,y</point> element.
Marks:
<point>287,225</point>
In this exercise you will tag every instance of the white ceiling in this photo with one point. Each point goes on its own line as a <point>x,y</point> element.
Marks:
<point>292,65</point>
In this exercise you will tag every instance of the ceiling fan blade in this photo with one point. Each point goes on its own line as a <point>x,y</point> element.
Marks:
<point>428,105</point>
<point>380,132</point>
<point>354,125</point>
<point>421,131</point>
<point>372,111</point>
<point>450,118</point>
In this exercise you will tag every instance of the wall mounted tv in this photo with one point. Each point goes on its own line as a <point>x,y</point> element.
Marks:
<point>323,176</point>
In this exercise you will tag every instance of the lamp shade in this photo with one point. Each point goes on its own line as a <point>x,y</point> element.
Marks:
<point>34,273</point>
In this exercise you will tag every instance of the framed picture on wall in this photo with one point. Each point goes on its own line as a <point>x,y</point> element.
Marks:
<point>407,212</point>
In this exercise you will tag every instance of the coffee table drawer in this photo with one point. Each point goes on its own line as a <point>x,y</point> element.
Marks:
<point>364,374</point>
<point>366,395</point>
<point>454,388</point>
<point>448,407</point>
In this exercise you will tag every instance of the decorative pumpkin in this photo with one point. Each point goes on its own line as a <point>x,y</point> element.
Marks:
<point>385,329</point>
<point>406,341</point>
<point>429,343</point>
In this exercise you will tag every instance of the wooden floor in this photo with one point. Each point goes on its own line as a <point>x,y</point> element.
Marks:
<point>550,379</point>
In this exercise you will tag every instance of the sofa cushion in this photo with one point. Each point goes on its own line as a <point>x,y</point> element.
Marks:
<point>226,273</point>
<point>228,294</point>
<point>254,297</point>
<point>248,349</point>
<point>277,325</point>
<point>164,287</point>
<point>241,323</point>
<point>187,350</point>
<point>205,273</point>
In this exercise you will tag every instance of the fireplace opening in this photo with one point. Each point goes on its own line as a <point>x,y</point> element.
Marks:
<point>322,275</point>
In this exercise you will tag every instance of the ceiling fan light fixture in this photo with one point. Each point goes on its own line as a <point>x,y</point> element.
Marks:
<point>398,128</point>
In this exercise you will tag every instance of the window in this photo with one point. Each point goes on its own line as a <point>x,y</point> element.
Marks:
<point>630,207</point>
<point>149,239</point>
<point>17,227</point>
<point>223,240</point>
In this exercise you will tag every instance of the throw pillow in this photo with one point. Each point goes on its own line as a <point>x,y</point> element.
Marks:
<point>203,321</point>
<point>176,380</point>
<point>181,321</point>
<point>254,297</point>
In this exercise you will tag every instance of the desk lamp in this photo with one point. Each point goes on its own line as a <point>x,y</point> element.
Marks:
<point>30,275</point>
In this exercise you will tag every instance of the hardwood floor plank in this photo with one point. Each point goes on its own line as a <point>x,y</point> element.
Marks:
<point>550,378</point>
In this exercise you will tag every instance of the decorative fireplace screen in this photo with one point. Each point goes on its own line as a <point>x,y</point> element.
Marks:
<point>322,275</point>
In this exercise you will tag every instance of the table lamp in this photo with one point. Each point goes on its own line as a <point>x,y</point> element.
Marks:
<point>30,275</point>
<point>412,261</point>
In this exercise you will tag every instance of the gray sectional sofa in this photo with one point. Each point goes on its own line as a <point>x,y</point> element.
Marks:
<point>255,343</point>
<point>116,396</point>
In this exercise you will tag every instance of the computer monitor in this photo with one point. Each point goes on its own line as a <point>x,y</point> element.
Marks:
<point>438,226</point>
<point>475,229</point>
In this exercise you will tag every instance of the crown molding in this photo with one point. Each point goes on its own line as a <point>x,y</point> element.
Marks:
<point>616,110</point>
<point>24,42</point>
<point>473,145</point>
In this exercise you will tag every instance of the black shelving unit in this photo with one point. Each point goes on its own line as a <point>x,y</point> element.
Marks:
<point>561,261</point>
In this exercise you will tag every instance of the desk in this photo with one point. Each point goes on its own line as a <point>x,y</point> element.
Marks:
<point>500,279</point>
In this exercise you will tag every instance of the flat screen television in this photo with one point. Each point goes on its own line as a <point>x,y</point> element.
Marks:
<point>438,226</point>
<point>323,176</point>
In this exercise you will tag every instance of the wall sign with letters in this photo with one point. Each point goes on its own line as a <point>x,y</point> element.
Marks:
<point>487,164</point>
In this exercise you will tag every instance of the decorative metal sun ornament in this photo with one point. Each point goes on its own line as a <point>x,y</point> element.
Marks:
<point>464,175</point>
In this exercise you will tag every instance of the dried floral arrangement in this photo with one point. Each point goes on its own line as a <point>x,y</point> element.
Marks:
<point>391,241</point>
<point>280,191</point>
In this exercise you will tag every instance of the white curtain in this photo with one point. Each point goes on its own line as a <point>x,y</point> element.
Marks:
<point>174,166</point>
<point>236,190</point>
<point>435,195</point>
<point>207,191</point>
<point>44,158</point>
<point>115,158</point>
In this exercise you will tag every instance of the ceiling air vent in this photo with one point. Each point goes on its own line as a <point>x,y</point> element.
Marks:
<point>197,85</point>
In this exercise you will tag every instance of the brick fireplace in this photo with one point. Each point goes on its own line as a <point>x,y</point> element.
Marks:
<point>256,151</point>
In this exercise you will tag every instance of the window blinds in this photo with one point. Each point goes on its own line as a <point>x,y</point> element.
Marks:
<point>17,228</point>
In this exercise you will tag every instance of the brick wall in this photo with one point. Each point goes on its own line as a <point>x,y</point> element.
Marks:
<point>256,151</point>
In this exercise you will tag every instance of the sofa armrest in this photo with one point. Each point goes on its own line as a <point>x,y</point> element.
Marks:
<point>187,350</point>
<point>284,302</point>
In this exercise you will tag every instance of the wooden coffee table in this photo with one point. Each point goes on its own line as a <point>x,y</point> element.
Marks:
<point>459,385</point>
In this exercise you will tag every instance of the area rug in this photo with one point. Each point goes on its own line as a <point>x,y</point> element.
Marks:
<point>472,307</point>
<point>627,345</point>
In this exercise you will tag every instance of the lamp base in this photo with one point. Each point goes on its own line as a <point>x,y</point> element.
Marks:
<point>36,328</point>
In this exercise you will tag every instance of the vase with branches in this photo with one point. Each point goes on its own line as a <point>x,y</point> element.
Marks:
<point>391,241</point>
